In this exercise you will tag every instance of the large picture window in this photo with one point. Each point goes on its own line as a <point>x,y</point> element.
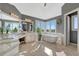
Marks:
<point>11,26</point>
<point>49,26</point>
<point>53,25</point>
<point>40,25</point>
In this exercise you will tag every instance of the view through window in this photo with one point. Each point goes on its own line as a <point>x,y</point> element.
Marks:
<point>75,22</point>
<point>11,26</point>
<point>49,26</point>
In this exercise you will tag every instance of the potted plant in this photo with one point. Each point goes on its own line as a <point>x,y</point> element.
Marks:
<point>15,29</point>
<point>39,34</point>
<point>1,30</point>
<point>59,21</point>
<point>7,31</point>
<point>8,28</point>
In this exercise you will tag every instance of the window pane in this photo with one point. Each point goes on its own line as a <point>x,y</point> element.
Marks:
<point>11,26</point>
<point>53,25</point>
<point>8,25</point>
<point>37,24</point>
<point>75,22</point>
<point>42,26</point>
<point>48,26</point>
<point>15,25</point>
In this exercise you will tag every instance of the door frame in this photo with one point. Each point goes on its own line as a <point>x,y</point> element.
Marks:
<point>67,33</point>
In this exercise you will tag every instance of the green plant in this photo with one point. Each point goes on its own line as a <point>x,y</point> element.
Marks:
<point>52,30</point>
<point>1,30</point>
<point>42,30</point>
<point>59,21</point>
<point>39,33</point>
<point>7,30</point>
<point>15,29</point>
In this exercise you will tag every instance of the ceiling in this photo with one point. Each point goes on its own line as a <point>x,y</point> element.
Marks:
<point>38,10</point>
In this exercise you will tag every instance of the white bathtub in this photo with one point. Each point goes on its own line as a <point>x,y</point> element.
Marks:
<point>52,37</point>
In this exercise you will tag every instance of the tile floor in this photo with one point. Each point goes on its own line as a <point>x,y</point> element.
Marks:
<point>43,48</point>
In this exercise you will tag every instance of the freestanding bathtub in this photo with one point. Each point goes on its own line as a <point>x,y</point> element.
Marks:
<point>52,37</point>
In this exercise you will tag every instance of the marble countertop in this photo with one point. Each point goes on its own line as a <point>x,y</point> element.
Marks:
<point>8,38</point>
<point>12,36</point>
<point>9,42</point>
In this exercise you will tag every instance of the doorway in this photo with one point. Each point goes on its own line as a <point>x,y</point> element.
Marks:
<point>73,24</point>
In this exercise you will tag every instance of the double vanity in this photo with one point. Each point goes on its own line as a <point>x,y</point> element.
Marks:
<point>9,43</point>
